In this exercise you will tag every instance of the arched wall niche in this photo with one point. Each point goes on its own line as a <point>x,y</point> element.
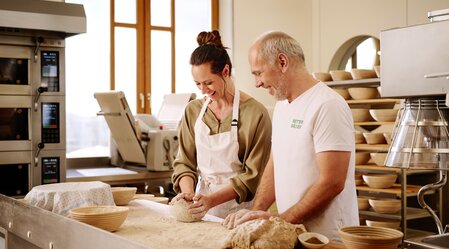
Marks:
<point>358,52</point>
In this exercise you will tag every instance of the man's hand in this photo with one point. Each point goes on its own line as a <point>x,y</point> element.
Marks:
<point>242,216</point>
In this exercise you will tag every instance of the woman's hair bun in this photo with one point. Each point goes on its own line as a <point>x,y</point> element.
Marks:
<point>209,38</point>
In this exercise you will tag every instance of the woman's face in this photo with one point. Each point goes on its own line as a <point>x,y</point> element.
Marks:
<point>212,85</point>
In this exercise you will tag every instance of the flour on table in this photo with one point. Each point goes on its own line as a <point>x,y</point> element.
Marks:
<point>261,233</point>
<point>160,231</point>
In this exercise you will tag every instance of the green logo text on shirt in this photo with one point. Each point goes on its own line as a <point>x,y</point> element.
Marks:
<point>297,123</point>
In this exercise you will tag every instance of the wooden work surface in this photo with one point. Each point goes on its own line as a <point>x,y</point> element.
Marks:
<point>150,224</point>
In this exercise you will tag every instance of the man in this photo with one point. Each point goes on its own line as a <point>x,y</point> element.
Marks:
<point>310,173</point>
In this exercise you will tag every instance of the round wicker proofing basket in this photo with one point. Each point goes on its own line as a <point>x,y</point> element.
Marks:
<point>364,237</point>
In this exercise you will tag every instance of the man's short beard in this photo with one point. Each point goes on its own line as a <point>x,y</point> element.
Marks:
<point>281,91</point>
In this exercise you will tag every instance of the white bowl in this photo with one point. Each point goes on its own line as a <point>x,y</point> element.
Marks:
<point>358,74</point>
<point>384,115</point>
<point>359,93</point>
<point>383,223</point>
<point>362,158</point>
<point>340,75</point>
<point>379,158</point>
<point>313,240</point>
<point>380,180</point>
<point>322,76</point>
<point>385,206</point>
<point>343,92</point>
<point>360,114</point>
<point>374,138</point>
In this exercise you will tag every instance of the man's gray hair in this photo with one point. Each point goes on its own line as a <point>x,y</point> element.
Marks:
<point>274,42</point>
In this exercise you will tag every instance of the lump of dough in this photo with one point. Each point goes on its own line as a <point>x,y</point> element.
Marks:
<point>180,212</point>
<point>261,233</point>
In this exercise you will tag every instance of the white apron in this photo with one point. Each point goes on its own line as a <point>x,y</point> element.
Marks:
<point>217,158</point>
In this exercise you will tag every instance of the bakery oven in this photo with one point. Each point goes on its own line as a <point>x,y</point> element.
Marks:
<point>32,113</point>
<point>32,91</point>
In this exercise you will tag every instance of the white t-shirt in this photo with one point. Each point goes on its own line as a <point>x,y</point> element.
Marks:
<point>316,121</point>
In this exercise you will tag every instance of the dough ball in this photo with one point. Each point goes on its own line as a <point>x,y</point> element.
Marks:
<point>180,212</point>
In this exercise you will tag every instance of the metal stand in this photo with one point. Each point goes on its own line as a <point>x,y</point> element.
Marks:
<point>423,204</point>
<point>434,241</point>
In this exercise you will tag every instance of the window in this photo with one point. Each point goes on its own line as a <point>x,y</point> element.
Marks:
<point>365,55</point>
<point>143,49</point>
<point>165,34</point>
<point>359,52</point>
<point>87,71</point>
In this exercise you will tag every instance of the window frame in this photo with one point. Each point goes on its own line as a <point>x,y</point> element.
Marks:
<point>143,31</point>
<point>143,64</point>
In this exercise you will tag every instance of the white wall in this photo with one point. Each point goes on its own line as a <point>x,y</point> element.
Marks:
<point>321,26</point>
<point>226,22</point>
<point>343,19</point>
<point>253,17</point>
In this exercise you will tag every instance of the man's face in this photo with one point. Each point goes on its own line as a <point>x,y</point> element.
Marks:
<point>267,75</point>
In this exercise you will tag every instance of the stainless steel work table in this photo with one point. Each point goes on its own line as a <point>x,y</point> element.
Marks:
<point>29,227</point>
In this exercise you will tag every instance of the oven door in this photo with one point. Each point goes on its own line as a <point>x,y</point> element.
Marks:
<point>20,171</point>
<point>15,123</point>
<point>15,172</point>
<point>22,72</point>
<point>15,70</point>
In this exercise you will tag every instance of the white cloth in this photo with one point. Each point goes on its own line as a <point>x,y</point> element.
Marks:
<point>217,157</point>
<point>316,121</point>
<point>61,197</point>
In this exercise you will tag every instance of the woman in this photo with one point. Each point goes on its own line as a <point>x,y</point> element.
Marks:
<point>225,138</point>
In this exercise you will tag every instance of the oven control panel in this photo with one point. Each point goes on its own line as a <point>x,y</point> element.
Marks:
<point>50,170</point>
<point>50,123</point>
<point>50,70</point>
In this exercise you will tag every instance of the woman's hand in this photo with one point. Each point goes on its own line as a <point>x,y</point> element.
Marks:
<point>186,196</point>
<point>201,204</point>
